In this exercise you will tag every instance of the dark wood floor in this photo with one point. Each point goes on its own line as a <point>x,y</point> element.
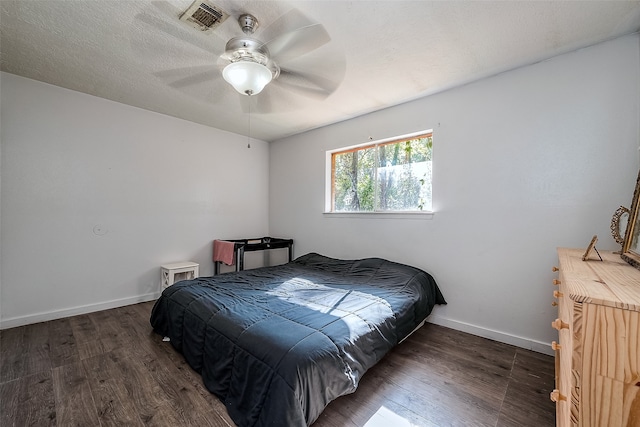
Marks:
<point>109,369</point>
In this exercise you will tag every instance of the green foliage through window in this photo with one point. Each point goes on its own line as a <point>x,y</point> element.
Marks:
<point>389,176</point>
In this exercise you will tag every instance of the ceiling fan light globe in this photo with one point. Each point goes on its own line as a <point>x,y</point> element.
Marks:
<point>246,77</point>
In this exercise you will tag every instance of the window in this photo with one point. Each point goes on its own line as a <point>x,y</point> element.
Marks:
<point>386,176</point>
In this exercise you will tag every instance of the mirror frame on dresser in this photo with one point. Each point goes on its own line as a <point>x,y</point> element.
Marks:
<point>633,229</point>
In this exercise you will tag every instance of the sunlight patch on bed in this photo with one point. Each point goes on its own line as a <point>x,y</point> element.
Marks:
<point>282,292</point>
<point>343,304</point>
<point>385,417</point>
<point>327,306</point>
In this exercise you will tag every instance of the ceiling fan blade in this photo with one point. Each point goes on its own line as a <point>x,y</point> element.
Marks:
<point>293,35</point>
<point>183,58</point>
<point>289,21</point>
<point>203,83</point>
<point>297,42</point>
<point>308,84</point>
<point>197,78</point>
<point>317,75</point>
<point>175,73</point>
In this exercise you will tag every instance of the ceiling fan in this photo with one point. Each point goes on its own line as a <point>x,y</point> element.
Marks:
<point>292,57</point>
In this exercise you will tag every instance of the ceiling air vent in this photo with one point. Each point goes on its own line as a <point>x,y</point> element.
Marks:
<point>204,15</point>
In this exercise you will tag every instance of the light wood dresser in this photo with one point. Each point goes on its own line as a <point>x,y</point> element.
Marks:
<point>598,349</point>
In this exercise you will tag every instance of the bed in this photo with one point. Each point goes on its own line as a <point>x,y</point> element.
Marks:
<point>277,344</point>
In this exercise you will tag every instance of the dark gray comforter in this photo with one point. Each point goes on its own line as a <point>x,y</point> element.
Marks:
<point>277,344</point>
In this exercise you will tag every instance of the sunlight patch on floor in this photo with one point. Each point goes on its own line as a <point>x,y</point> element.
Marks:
<point>385,417</point>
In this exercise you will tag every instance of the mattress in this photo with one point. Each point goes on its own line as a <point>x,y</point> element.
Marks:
<point>277,344</point>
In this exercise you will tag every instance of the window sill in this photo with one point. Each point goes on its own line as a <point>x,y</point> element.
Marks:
<point>381,215</point>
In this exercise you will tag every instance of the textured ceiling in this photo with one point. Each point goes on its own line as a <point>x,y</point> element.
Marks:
<point>381,53</point>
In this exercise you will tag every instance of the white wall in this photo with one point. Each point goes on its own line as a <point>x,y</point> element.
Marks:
<point>96,195</point>
<point>524,162</point>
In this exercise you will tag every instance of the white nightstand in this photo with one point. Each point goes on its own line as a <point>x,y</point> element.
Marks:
<point>172,273</point>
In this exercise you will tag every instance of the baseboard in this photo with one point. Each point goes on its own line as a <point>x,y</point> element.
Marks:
<point>526,343</point>
<point>67,312</point>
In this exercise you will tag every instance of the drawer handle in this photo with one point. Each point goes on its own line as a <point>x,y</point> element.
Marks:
<point>556,396</point>
<point>555,346</point>
<point>554,303</point>
<point>556,282</point>
<point>557,294</point>
<point>554,269</point>
<point>559,324</point>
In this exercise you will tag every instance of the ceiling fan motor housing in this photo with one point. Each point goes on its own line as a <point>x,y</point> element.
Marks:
<point>250,68</point>
<point>248,23</point>
<point>246,49</point>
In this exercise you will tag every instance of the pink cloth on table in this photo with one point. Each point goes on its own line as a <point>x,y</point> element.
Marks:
<point>224,251</point>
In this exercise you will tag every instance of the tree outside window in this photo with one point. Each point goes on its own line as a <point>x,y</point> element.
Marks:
<point>383,177</point>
